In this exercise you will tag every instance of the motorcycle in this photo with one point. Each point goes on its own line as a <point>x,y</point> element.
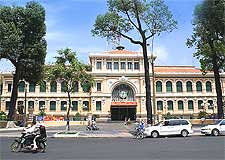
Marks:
<point>92,127</point>
<point>25,142</point>
<point>140,133</point>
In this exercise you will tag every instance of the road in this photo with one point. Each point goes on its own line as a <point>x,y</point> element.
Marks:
<point>172,148</point>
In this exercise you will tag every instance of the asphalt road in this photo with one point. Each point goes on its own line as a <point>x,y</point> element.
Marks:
<point>172,148</point>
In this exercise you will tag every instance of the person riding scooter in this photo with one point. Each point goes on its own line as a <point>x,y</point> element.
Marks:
<point>40,135</point>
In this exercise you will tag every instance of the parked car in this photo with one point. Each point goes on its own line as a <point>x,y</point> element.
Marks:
<point>216,129</point>
<point>170,127</point>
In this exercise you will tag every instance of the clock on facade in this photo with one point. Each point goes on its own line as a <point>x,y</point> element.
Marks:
<point>123,94</point>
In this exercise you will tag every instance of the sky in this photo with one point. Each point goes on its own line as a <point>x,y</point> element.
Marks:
<point>69,24</point>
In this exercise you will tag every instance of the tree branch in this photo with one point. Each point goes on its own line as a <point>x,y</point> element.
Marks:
<point>130,18</point>
<point>129,38</point>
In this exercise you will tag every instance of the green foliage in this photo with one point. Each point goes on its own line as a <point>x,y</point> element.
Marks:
<point>41,113</point>
<point>209,39</point>
<point>202,114</point>
<point>208,34</point>
<point>22,31</point>
<point>146,18</point>
<point>77,117</point>
<point>3,116</point>
<point>69,70</point>
<point>141,16</point>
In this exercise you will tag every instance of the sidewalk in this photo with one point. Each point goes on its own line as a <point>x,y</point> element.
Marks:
<point>106,130</point>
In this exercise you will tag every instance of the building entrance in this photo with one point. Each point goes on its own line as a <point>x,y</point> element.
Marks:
<point>119,113</point>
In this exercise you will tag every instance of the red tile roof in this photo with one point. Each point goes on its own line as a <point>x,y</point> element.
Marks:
<point>177,69</point>
<point>121,52</point>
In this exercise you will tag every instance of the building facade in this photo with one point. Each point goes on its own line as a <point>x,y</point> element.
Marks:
<point>119,92</point>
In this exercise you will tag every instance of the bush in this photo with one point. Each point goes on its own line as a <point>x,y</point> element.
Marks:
<point>3,116</point>
<point>77,117</point>
<point>203,114</point>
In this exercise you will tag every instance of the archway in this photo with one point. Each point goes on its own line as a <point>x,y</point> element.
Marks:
<point>123,103</point>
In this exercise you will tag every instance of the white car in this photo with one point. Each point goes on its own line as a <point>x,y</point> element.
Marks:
<point>170,127</point>
<point>216,129</point>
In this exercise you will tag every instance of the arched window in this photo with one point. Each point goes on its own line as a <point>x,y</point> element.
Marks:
<point>123,92</point>
<point>85,105</point>
<point>74,105</point>
<point>43,86</point>
<point>208,86</point>
<point>52,105</point>
<point>158,86</point>
<point>31,87</point>
<point>179,86</point>
<point>63,105</point>
<point>31,104</point>
<point>189,86</point>
<point>170,105</point>
<point>169,86</point>
<point>53,86</point>
<point>21,86</point>
<point>41,105</point>
<point>210,104</point>
<point>199,86</point>
<point>63,86</point>
<point>180,105</point>
<point>190,105</point>
<point>160,105</point>
<point>200,104</point>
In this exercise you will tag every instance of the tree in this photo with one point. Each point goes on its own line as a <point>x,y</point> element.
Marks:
<point>209,40</point>
<point>145,18</point>
<point>22,31</point>
<point>68,70</point>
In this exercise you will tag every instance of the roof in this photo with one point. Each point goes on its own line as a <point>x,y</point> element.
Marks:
<point>121,52</point>
<point>177,69</point>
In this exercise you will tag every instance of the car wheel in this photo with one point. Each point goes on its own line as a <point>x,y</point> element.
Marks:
<point>155,134</point>
<point>215,132</point>
<point>184,133</point>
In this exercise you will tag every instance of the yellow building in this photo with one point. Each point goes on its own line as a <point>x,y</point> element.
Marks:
<point>120,90</point>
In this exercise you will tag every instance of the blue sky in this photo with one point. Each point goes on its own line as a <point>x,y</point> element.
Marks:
<point>69,24</point>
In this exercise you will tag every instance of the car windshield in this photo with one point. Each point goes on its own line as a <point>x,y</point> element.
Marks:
<point>217,122</point>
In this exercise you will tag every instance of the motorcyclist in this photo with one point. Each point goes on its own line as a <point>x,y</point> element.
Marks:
<point>40,135</point>
<point>142,125</point>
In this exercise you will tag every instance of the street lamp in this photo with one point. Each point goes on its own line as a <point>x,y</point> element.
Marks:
<point>25,106</point>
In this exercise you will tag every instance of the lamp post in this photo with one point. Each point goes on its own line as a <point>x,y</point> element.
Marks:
<point>25,106</point>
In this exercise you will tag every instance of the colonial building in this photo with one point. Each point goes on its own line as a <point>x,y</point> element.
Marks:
<point>120,90</point>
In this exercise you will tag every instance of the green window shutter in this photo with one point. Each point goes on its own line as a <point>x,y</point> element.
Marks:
<point>74,105</point>
<point>98,105</point>
<point>31,87</point>
<point>21,86</point>
<point>160,105</point>
<point>200,103</point>
<point>158,86</point>
<point>43,87</point>
<point>189,86</point>
<point>190,105</point>
<point>208,87</point>
<point>41,105</point>
<point>170,105</point>
<point>180,105</point>
<point>199,87</point>
<point>63,105</point>
<point>179,86</point>
<point>168,86</point>
<point>53,86</point>
<point>52,105</point>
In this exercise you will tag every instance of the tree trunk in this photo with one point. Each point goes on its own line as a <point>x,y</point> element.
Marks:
<point>14,94</point>
<point>147,83</point>
<point>220,111</point>
<point>68,112</point>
